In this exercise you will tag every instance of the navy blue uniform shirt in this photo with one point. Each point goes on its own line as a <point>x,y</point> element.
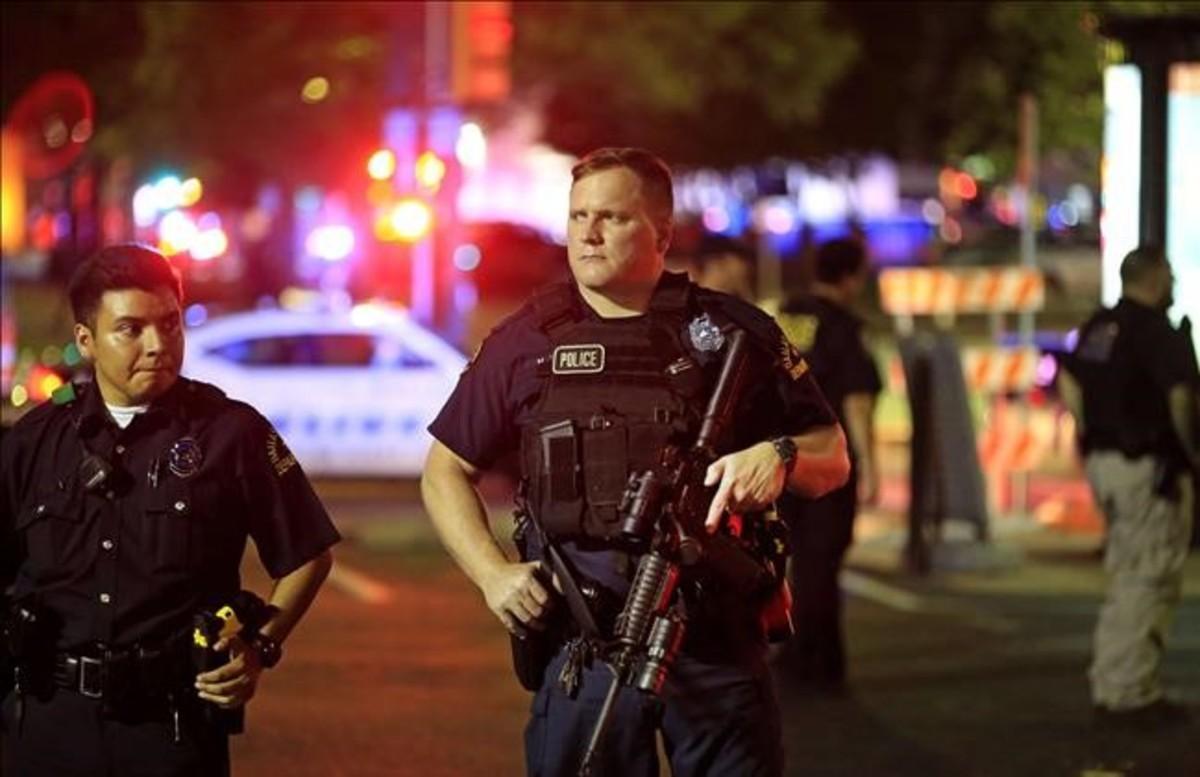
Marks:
<point>131,561</point>
<point>481,420</point>
<point>1127,359</point>
<point>829,337</point>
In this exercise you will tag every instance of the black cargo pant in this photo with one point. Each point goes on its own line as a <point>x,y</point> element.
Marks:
<point>68,735</point>
<point>821,531</point>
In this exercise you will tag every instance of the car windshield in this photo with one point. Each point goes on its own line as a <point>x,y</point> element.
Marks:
<point>321,350</point>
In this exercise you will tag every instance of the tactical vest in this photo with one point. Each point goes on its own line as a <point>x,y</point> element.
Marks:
<point>614,394</point>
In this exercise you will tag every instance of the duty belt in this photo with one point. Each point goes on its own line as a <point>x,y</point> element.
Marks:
<point>120,673</point>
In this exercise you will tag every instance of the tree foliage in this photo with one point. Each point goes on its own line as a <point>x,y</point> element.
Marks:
<point>215,88</point>
<point>703,83</point>
<point>723,83</point>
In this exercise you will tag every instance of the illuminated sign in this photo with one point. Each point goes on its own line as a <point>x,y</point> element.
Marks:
<point>1121,180</point>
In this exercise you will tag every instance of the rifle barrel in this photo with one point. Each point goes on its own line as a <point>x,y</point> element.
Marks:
<point>731,374</point>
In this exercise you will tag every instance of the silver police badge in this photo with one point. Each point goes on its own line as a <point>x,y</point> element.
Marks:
<point>706,336</point>
<point>185,457</point>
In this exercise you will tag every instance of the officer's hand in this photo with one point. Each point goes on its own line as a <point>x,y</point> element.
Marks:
<point>515,593</point>
<point>233,684</point>
<point>750,479</point>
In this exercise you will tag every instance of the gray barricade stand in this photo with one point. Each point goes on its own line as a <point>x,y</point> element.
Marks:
<point>946,478</point>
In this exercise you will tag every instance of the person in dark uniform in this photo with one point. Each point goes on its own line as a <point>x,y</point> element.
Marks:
<point>125,511</point>
<point>581,382</point>
<point>829,336</point>
<point>724,264</point>
<point>1129,384</point>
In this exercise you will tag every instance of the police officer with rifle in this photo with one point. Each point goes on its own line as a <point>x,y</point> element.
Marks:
<point>655,423</point>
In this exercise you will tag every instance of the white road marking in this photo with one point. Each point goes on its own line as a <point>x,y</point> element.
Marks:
<point>358,585</point>
<point>906,601</point>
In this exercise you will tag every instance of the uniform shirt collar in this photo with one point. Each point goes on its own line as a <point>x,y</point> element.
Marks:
<point>93,414</point>
<point>1134,305</point>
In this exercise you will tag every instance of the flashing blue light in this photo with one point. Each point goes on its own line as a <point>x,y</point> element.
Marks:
<point>467,257</point>
<point>195,315</point>
<point>308,199</point>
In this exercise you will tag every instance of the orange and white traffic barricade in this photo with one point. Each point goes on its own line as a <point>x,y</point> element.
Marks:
<point>1000,370</point>
<point>922,291</point>
<point>986,370</point>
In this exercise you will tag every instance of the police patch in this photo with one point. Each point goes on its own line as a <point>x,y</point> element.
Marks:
<point>281,458</point>
<point>577,359</point>
<point>705,335</point>
<point>185,457</point>
<point>791,360</point>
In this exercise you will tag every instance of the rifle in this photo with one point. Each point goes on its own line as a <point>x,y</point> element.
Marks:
<point>667,504</point>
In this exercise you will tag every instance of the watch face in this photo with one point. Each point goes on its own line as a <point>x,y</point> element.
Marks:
<point>269,651</point>
<point>786,448</point>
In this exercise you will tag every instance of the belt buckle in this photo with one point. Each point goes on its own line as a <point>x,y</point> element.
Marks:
<point>91,677</point>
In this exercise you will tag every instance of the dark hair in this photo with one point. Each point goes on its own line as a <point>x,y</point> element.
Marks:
<point>1140,262</point>
<point>116,267</point>
<point>837,259</point>
<point>714,246</point>
<point>651,170</point>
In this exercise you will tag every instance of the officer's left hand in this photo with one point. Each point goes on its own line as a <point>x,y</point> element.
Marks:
<point>750,479</point>
<point>233,684</point>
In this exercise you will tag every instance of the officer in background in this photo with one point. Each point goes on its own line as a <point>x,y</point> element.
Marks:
<point>578,381</point>
<point>726,265</point>
<point>829,336</point>
<point>1129,385</point>
<point>124,515</point>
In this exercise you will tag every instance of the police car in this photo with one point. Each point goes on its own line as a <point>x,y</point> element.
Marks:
<point>350,391</point>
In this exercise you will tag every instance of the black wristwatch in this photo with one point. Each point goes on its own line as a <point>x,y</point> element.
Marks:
<point>269,651</point>
<point>786,448</point>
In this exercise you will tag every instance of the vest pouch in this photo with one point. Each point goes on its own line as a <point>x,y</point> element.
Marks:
<point>559,498</point>
<point>606,474</point>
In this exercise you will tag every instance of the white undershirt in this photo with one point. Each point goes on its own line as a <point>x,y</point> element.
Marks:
<point>125,415</point>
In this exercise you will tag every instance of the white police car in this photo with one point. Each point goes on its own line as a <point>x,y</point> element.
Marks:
<point>351,392</point>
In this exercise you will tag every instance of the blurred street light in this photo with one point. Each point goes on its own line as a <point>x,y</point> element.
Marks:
<point>382,165</point>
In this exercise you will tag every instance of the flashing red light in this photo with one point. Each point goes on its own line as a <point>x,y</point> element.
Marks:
<point>965,186</point>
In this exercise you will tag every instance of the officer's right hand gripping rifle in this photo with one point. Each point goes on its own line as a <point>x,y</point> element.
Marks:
<point>667,505</point>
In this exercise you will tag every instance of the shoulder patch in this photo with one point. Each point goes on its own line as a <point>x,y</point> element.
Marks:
<point>277,452</point>
<point>1097,343</point>
<point>790,359</point>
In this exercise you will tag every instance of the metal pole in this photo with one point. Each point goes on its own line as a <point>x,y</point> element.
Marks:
<point>1027,167</point>
<point>1152,222</point>
<point>770,275</point>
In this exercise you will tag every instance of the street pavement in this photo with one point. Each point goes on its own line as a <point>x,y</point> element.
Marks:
<point>978,669</point>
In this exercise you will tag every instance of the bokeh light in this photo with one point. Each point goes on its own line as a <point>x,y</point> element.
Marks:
<point>315,90</point>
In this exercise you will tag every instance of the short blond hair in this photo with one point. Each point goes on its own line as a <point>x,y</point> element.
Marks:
<point>650,169</point>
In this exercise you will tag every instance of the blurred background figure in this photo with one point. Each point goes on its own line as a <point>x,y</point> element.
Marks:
<point>724,264</point>
<point>823,327</point>
<point>1130,385</point>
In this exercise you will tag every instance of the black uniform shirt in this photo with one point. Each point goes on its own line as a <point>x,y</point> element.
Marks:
<point>1127,359</point>
<point>481,420</point>
<point>830,338</point>
<point>130,560</point>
